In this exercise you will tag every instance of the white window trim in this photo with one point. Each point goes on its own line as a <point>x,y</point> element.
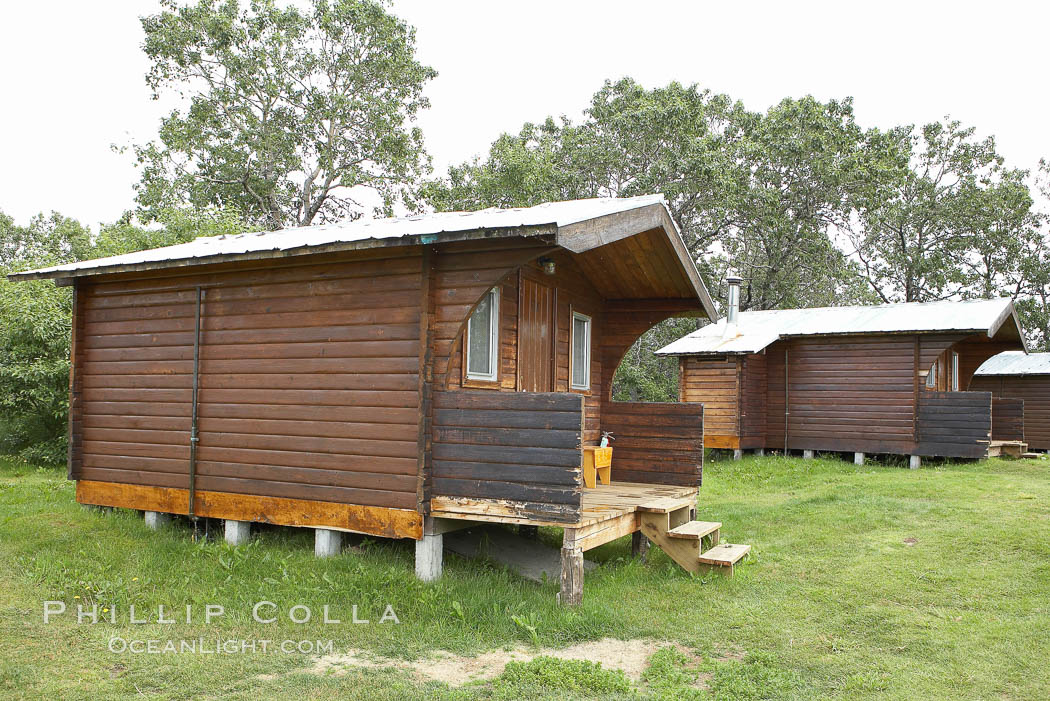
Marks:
<point>572,353</point>
<point>493,342</point>
<point>954,379</point>
<point>931,376</point>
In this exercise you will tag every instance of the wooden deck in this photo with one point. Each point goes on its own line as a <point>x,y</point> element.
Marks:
<point>605,502</point>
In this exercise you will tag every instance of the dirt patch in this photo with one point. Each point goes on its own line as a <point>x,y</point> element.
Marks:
<point>729,653</point>
<point>630,656</point>
<point>911,541</point>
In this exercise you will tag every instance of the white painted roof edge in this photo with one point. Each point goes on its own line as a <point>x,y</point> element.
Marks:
<point>1015,363</point>
<point>710,340</point>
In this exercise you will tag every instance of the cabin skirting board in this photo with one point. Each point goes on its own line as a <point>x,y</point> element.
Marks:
<point>353,518</point>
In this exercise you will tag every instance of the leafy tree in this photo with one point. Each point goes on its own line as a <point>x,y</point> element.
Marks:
<point>1034,306</point>
<point>292,113</point>
<point>948,219</point>
<point>755,193</point>
<point>35,315</point>
<point>48,240</point>
<point>34,336</point>
<point>173,226</point>
<point>796,169</point>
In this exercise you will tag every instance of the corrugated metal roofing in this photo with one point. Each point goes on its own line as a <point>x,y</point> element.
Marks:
<point>756,330</point>
<point>411,229</point>
<point>1016,363</point>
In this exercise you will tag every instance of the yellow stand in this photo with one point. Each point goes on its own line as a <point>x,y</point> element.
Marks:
<point>596,460</point>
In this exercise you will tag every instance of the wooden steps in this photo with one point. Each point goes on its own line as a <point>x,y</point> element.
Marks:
<point>664,505</point>
<point>692,544</point>
<point>725,555</point>
<point>1031,456</point>
<point>1010,449</point>
<point>695,530</point>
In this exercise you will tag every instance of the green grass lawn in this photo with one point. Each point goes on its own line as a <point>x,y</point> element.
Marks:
<point>871,582</point>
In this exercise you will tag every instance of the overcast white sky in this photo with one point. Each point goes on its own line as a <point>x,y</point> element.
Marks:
<point>72,74</point>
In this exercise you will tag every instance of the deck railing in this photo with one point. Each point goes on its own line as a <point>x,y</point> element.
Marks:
<point>954,424</point>
<point>517,454</point>
<point>656,442</point>
<point>1007,419</point>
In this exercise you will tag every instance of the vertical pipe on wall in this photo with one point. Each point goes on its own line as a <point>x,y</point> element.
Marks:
<point>194,439</point>
<point>918,389</point>
<point>787,412</point>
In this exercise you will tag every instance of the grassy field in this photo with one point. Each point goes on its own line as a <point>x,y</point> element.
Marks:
<point>872,582</point>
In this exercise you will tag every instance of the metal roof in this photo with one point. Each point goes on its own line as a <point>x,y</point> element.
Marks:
<point>1016,363</point>
<point>577,225</point>
<point>411,228</point>
<point>756,330</point>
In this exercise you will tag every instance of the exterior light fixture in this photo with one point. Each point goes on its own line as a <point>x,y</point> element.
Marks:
<point>548,266</point>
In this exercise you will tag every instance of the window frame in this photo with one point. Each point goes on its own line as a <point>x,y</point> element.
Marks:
<point>494,347</point>
<point>931,376</point>
<point>953,373</point>
<point>587,347</point>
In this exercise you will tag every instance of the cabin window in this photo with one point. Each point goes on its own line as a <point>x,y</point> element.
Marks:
<point>483,338</point>
<point>581,351</point>
<point>931,378</point>
<point>955,372</point>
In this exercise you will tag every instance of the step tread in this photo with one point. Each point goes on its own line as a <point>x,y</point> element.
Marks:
<point>724,555</point>
<point>694,529</point>
<point>664,505</point>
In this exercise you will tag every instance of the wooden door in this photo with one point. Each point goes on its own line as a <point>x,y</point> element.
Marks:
<point>536,337</point>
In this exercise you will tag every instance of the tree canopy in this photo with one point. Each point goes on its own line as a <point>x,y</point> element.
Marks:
<point>808,206</point>
<point>293,116</point>
<point>35,315</point>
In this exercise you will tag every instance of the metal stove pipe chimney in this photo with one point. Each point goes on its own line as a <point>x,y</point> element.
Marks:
<point>733,308</point>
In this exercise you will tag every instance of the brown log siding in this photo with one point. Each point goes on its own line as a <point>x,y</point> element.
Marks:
<point>954,424</point>
<point>716,383</point>
<point>308,376</point>
<point>510,446</point>
<point>1034,390</point>
<point>842,393</point>
<point>656,442</point>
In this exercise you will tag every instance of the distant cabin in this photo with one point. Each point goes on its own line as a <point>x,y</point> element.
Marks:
<point>876,379</point>
<point>388,377</point>
<point>1025,378</point>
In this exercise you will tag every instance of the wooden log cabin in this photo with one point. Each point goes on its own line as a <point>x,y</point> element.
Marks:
<point>394,378</point>
<point>878,379</point>
<point>1021,384</point>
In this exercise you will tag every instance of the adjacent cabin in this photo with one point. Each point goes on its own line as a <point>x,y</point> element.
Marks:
<point>395,378</point>
<point>1023,380</point>
<point>876,379</point>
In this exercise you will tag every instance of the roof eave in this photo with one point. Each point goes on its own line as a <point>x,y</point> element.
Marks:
<point>1009,313</point>
<point>583,236</point>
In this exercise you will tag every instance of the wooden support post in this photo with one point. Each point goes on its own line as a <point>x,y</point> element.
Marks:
<point>157,520</point>
<point>858,458</point>
<point>429,551</point>
<point>237,532</point>
<point>327,543</point>
<point>639,545</point>
<point>571,570</point>
<point>914,462</point>
<point>808,454</point>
